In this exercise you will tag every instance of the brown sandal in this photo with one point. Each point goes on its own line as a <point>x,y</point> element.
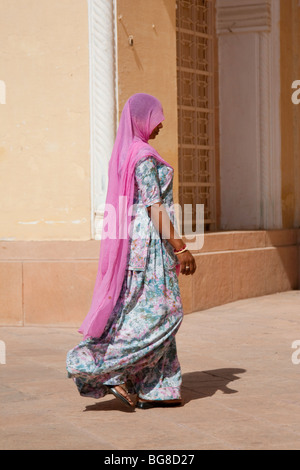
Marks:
<point>112,389</point>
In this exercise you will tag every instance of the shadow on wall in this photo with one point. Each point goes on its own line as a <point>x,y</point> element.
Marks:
<point>169,7</point>
<point>289,256</point>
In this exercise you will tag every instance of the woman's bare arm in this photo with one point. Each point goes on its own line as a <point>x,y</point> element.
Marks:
<point>166,229</point>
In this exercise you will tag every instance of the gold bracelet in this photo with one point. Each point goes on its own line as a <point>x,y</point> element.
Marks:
<point>181,251</point>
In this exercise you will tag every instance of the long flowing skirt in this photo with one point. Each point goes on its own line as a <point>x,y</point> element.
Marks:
<point>138,345</point>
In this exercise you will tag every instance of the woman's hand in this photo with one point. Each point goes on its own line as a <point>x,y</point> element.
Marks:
<point>187,263</point>
<point>164,226</point>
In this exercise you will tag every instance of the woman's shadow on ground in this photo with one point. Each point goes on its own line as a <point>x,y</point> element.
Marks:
<point>195,385</point>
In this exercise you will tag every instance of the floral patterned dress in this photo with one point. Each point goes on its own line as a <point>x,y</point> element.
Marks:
<point>138,345</point>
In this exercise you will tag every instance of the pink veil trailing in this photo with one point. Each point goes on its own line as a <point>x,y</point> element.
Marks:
<point>141,114</point>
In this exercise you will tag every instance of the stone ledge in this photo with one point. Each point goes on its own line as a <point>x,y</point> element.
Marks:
<point>51,282</point>
<point>240,240</point>
<point>49,250</point>
<point>89,249</point>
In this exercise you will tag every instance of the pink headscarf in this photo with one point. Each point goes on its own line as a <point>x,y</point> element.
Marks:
<point>141,114</point>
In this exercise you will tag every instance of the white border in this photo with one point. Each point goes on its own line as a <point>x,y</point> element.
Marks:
<point>103,92</point>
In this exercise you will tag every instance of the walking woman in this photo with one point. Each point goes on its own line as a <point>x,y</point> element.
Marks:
<point>129,333</point>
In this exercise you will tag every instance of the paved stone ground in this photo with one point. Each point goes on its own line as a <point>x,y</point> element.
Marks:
<point>240,387</point>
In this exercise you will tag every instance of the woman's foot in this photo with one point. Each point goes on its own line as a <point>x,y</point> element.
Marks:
<point>120,392</point>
